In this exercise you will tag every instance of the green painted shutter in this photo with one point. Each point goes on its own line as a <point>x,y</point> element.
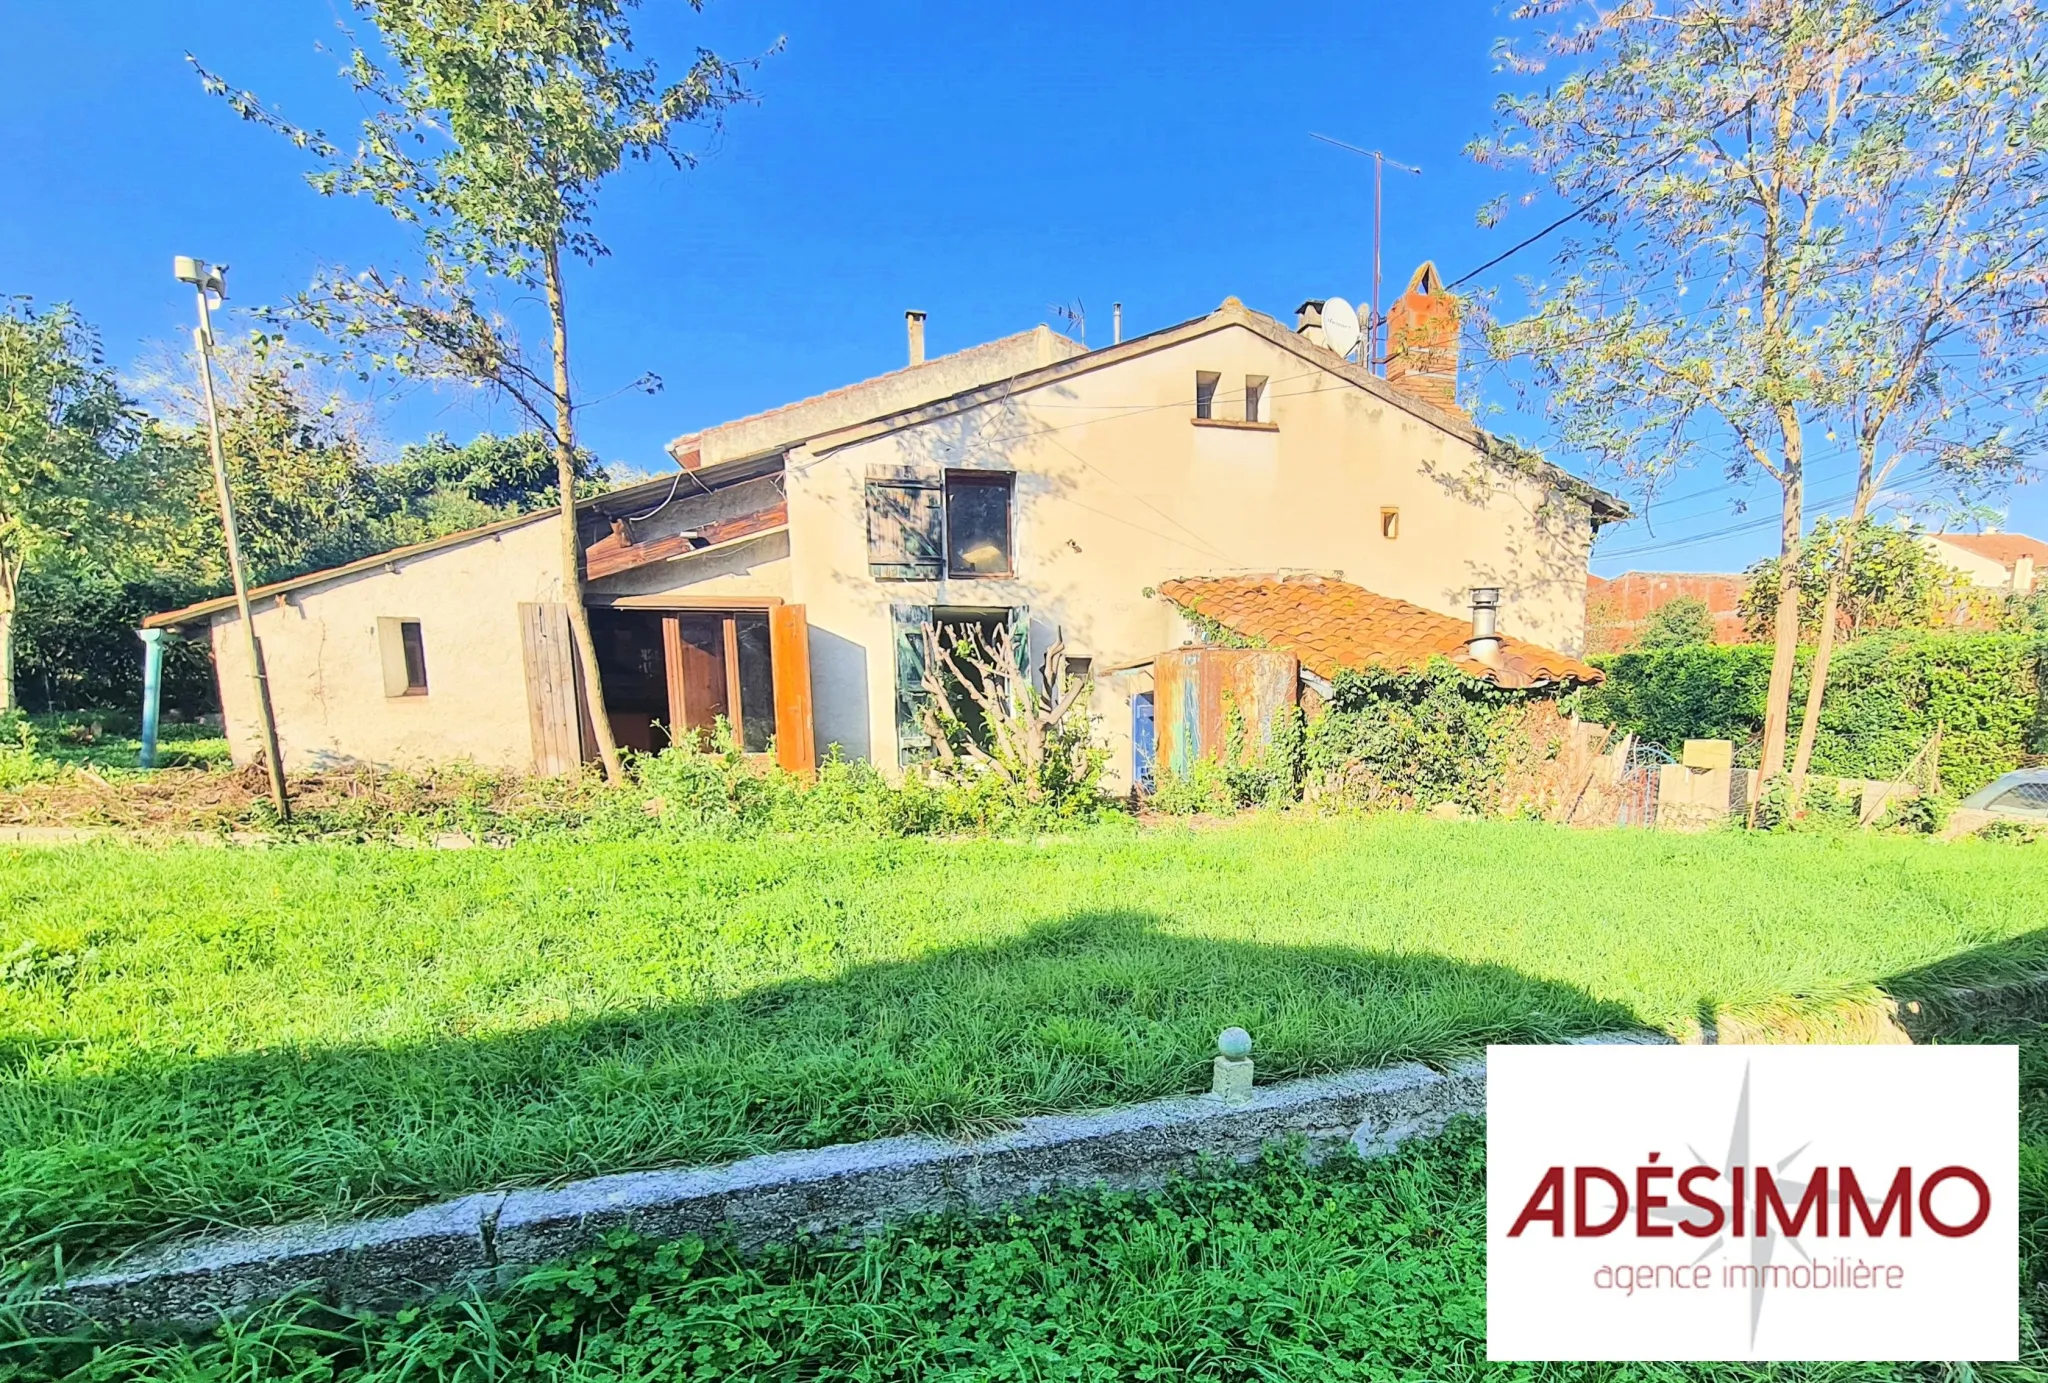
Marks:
<point>1020,641</point>
<point>906,524</point>
<point>911,740</point>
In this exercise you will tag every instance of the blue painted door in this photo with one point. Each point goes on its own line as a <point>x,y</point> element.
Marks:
<point>1144,738</point>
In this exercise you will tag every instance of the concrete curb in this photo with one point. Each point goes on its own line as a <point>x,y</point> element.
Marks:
<point>485,1241</point>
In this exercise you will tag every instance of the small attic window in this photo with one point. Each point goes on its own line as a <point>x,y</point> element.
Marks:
<point>1390,523</point>
<point>1205,393</point>
<point>1255,398</point>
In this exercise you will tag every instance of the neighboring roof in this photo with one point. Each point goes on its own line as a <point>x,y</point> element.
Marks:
<point>206,609</point>
<point>1332,625</point>
<point>1507,454</point>
<point>2002,548</point>
<point>780,428</point>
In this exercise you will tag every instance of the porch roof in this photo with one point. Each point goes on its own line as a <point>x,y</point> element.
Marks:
<point>1331,625</point>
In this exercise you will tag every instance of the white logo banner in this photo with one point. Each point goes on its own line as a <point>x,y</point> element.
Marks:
<point>1711,1203</point>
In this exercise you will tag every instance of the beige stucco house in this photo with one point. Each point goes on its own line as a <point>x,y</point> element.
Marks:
<point>2009,562</point>
<point>780,576</point>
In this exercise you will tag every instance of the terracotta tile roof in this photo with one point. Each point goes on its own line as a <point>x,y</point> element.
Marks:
<point>1331,625</point>
<point>2002,548</point>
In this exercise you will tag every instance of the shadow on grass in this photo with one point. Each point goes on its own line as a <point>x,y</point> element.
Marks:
<point>1096,1008</point>
<point>1975,995</point>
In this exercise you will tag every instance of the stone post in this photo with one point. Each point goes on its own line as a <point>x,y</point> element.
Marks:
<point>1232,1078</point>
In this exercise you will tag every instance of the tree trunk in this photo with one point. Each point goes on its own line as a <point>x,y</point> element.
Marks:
<point>572,541</point>
<point>1778,702</point>
<point>7,702</point>
<point>1824,646</point>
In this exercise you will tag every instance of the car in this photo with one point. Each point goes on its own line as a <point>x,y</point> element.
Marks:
<point>2020,796</point>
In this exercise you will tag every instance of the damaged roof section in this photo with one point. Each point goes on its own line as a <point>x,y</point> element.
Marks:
<point>1333,625</point>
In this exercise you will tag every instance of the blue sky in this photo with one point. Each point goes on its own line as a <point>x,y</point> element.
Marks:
<point>979,163</point>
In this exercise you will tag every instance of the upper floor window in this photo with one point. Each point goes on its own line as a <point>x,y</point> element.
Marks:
<point>1255,398</point>
<point>1205,393</point>
<point>978,522</point>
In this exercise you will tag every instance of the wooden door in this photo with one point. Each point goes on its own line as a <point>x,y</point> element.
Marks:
<point>698,673</point>
<point>552,703</point>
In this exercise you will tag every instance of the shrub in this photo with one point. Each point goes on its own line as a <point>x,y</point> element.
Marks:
<point>1886,694</point>
<point>20,764</point>
<point>1413,739</point>
<point>76,644</point>
<point>1237,777</point>
<point>1923,815</point>
<point>1665,696</point>
<point>1679,623</point>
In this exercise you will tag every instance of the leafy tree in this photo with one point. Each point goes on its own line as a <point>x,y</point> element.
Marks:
<point>491,132</point>
<point>1878,578</point>
<point>1803,215</point>
<point>436,487</point>
<point>64,426</point>
<point>1679,623</point>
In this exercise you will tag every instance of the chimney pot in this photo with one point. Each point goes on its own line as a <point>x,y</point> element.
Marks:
<point>913,322</point>
<point>1308,320</point>
<point>1484,644</point>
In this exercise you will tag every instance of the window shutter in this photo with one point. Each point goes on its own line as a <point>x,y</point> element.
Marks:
<point>906,524</point>
<point>789,633</point>
<point>911,740</point>
<point>1020,642</point>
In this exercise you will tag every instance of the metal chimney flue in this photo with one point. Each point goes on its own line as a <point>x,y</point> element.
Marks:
<point>1485,641</point>
<point>913,322</point>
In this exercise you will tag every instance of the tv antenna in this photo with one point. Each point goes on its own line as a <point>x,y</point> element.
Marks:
<point>1375,354</point>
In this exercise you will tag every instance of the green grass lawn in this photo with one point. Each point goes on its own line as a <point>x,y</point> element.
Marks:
<point>109,742</point>
<point>193,1036</point>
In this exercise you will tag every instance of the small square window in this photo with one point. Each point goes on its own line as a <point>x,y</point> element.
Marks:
<point>1079,669</point>
<point>402,649</point>
<point>1205,393</point>
<point>1390,523</point>
<point>978,522</point>
<point>1255,398</point>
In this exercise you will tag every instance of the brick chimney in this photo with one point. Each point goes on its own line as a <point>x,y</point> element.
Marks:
<point>1422,341</point>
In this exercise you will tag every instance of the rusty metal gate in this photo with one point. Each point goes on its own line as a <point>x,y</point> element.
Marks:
<point>1200,692</point>
<point>1636,790</point>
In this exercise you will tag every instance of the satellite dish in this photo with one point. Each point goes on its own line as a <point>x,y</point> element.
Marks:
<point>1340,325</point>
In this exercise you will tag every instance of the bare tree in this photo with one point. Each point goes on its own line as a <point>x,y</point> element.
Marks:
<point>1028,714</point>
<point>1771,188</point>
<point>489,127</point>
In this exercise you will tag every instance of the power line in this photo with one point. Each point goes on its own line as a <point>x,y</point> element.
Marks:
<point>1582,208</point>
<point>1585,207</point>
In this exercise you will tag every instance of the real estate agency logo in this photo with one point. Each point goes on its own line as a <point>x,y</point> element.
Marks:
<point>1859,1203</point>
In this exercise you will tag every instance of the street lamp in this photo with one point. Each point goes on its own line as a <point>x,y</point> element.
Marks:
<point>209,282</point>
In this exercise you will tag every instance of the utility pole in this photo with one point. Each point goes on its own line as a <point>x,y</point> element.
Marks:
<point>211,282</point>
<point>1376,355</point>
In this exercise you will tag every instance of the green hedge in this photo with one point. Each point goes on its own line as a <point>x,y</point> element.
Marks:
<point>1885,695</point>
